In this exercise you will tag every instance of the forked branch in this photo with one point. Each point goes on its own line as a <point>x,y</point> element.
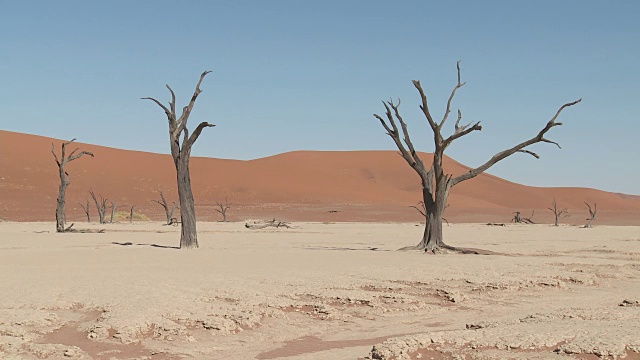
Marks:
<point>518,148</point>
<point>178,126</point>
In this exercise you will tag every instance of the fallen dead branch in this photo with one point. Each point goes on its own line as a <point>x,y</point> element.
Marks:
<point>261,224</point>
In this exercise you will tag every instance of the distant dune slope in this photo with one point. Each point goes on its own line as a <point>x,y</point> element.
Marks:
<point>300,185</point>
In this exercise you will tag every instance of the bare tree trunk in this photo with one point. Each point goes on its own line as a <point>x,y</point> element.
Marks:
<point>60,216</point>
<point>64,181</point>
<point>189,235</point>
<point>432,238</point>
<point>181,152</point>
<point>114,207</point>
<point>131,215</point>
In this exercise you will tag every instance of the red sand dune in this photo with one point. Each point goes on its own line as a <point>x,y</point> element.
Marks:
<point>301,185</point>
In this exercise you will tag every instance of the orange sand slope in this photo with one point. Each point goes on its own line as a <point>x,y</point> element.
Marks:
<point>301,185</point>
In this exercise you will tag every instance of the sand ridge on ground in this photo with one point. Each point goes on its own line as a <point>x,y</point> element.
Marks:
<point>318,291</point>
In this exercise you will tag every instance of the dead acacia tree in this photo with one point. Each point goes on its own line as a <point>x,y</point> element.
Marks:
<point>64,180</point>
<point>165,205</point>
<point>131,215</point>
<point>86,210</point>
<point>557,212</point>
<point>101,206</point>
<point>592,214</point>
<point>223,209</point>
<point>436,184</point>
<point>181,152</point>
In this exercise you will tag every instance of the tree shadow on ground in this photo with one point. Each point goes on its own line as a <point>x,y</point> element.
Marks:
<point>342,248</point>
<point>152,245</point>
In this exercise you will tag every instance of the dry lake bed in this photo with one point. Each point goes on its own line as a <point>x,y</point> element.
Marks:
<point>318,291</point>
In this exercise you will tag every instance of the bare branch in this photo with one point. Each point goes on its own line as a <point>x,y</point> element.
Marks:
<point>186,111</point>
<point>421,211</point>
<point>425,106</point>
<point>54,154</point>
<point>530,153</point>
<point>166,111</point>
<point>172,104</point>
<point>453,93</point>
<point>71,158</point>
<point>196,133</point>
<point>460,132</point>
<point>506,153</point>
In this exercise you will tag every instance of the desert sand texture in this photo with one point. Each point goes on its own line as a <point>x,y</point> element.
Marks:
<point>368,186</point>
<point>318,291</point>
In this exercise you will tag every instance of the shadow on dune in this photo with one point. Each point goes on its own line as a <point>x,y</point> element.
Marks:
<point>152,245</point>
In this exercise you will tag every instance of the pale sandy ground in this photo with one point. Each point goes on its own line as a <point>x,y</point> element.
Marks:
<point>318,291</point>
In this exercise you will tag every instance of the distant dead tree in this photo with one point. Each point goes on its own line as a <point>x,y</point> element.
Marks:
<point>114,208</point>
<point>131,215</point>
<point>64,180</point>
<point>522,220</point>
<point>592,214</point>
<point>223,209</point>
<point>557,212</point>
<point>165,205</point>
<point>181,153</point>
<point>86,210</point>
<point>101,206</point>
<point>435,183</point>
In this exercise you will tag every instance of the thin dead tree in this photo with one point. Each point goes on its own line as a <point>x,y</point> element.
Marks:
<point>223,209</point>
<point>101,206</point>
<point>592,214</point>
<point>114,208</point>
<point>181,152</point>
<point>64,180</point>
<point>131,215</point>
<point>436,184</point>
<point>86,209</point>
<point>165,205</point>
<point>557,212</point>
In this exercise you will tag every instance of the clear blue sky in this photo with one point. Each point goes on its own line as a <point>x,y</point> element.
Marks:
<point>291,75</point>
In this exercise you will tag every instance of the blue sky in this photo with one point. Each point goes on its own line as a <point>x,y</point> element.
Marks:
<point>291,75</point>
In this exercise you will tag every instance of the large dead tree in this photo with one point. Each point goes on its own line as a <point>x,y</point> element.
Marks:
<point>222,209</point>
<point>101,206</point>
<point>436,184</point>
<point>592,214</point>
<point>557,212</point>
<point>64,179</point>
<point>181,143</point>
<point>169,213</point>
